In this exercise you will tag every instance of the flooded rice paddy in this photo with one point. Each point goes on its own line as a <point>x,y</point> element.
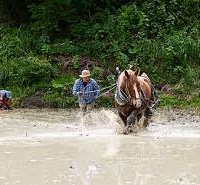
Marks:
<point>60,147</point>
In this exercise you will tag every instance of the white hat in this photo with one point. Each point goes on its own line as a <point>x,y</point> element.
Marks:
<point>85,73</point>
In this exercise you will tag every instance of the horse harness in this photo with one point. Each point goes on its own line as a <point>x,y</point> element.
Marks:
<point>123,98</point>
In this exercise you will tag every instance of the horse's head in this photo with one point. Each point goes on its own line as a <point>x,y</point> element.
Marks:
<point>130,86</point>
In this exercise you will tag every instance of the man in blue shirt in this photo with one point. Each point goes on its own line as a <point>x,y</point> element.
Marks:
<point>5,97</point>
<point>87,91</point>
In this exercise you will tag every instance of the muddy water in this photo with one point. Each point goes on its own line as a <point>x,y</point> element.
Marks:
<point>47,147</point>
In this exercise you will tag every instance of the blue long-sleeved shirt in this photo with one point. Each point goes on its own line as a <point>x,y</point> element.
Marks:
<point>90,92</point>
<point>5,94</point>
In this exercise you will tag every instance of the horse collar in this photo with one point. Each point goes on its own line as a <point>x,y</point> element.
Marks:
<point>121,97</point>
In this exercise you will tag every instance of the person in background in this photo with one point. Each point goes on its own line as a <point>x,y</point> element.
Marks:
<point>87,90</point>
<point>5,99</point>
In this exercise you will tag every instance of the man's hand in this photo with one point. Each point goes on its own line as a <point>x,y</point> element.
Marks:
<point>80,93</point>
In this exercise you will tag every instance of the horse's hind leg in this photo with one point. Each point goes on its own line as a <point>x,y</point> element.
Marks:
<point>140,120</point>
<point>147,116</point>
<point>146,122</point>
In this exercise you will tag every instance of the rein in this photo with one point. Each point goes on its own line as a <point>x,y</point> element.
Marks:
<point>129,95</point>
<point>111,87</point>
<point>124,97</point>
<point>108,87</point>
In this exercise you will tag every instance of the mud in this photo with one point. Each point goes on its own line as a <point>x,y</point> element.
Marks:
<point>42,146</point>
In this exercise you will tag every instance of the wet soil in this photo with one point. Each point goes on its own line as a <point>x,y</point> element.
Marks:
<point>42,146</point>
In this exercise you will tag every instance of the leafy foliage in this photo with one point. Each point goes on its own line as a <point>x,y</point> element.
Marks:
<point>160,36</point>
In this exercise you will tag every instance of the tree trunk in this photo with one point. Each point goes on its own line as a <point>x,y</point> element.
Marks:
<point>13,11</point>
<point>5,13</point>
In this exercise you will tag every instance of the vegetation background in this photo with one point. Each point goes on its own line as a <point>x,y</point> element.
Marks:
<point>44,44</point>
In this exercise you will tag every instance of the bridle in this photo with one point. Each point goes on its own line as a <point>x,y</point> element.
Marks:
<point>134,101</point>
<point>124,97</point>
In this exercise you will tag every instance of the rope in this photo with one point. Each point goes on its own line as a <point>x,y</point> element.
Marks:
<point>107,90</point>
<point>108,87</point>
<point>113,86</point>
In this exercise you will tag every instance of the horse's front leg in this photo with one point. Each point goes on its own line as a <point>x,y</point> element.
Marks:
<point>131,119</point>
<point>124,118</point>
<point>125,126</point>
<point>132,122</point>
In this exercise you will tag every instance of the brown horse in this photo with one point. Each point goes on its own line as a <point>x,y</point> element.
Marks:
<point>132,99</point>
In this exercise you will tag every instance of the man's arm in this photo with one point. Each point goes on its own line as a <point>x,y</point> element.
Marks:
<point>76,88</point>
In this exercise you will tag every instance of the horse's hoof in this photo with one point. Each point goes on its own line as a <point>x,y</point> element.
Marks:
<point>146,124</point>
<point>125,131</point>
<point>135,129</point>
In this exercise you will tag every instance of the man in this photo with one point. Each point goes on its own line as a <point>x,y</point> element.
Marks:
<point>5,97</point>
<point>87,91</point>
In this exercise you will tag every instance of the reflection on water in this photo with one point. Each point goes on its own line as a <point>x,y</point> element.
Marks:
<point>39,147</point>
